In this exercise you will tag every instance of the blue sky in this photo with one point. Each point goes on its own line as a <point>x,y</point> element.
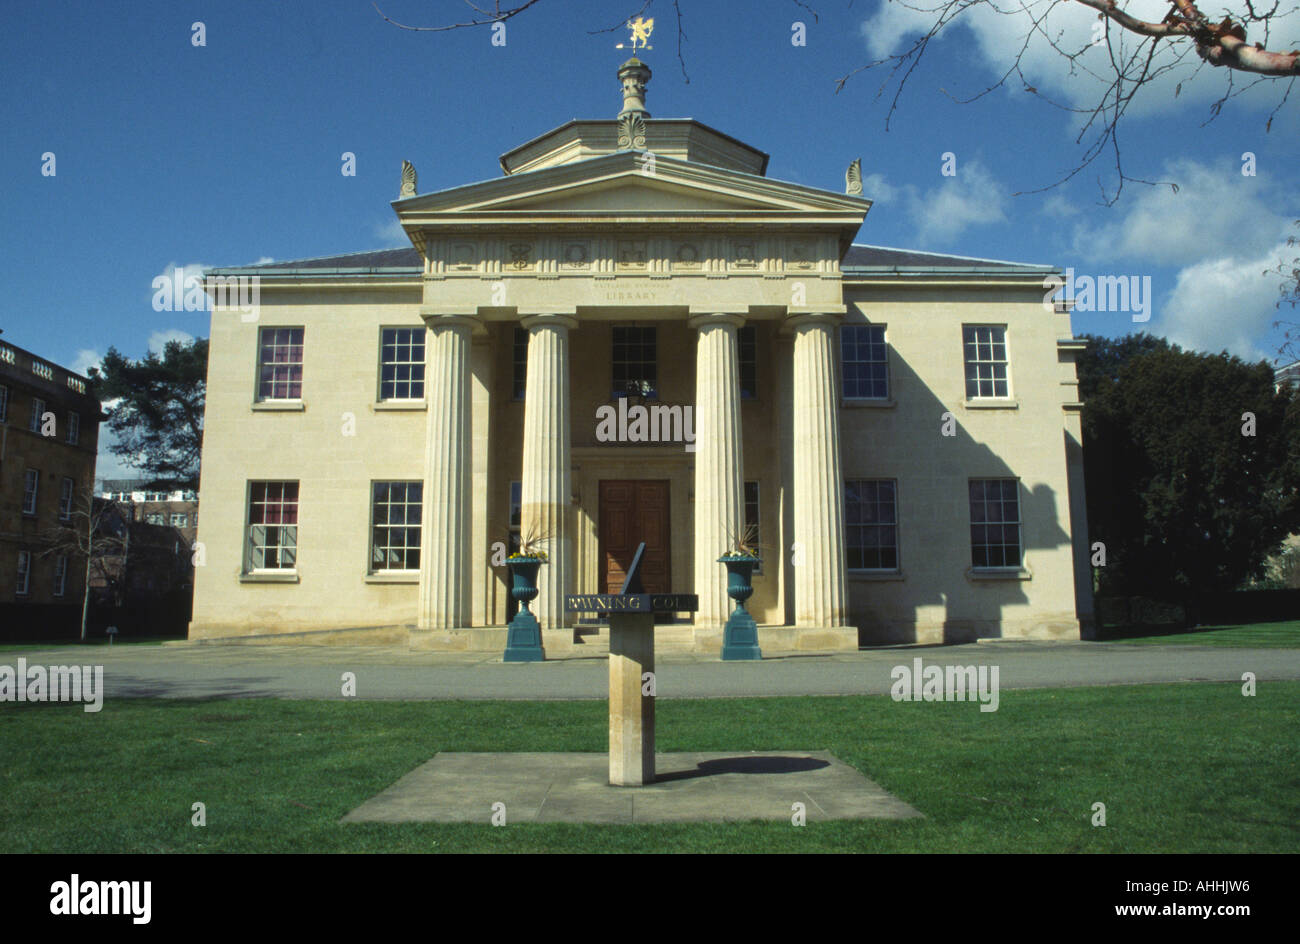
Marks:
<point>171,154</point>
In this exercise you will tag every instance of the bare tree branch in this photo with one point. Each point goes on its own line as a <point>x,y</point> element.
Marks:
<point>496,15</point>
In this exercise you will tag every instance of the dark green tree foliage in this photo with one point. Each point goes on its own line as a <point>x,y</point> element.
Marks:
<point>1183,500</point>
<point>155,409</point>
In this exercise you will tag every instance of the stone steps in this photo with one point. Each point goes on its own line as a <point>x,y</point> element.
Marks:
<point>668,638</point>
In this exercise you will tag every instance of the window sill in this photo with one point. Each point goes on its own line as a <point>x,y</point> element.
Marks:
<point>270,576</point>
<point>407,576</point>
<point>999,573</point>
<point>992,403</point>
<point>872,576</point>
<point>861,403</point>
<point>279,406</point>
<point>399,406</point>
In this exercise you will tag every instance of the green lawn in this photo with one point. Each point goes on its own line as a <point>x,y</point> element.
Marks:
<point>1181,768</point>
<point>1254,635</point>
<point>94,641</point>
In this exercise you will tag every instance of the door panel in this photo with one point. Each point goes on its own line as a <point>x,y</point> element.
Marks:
<point>632,512</point>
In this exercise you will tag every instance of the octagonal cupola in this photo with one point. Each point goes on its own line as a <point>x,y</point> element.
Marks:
<point>633,129</point>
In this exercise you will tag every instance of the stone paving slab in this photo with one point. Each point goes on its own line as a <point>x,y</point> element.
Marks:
<point>573,788</point>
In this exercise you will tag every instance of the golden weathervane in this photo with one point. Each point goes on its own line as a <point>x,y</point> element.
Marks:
<point>641,29</point>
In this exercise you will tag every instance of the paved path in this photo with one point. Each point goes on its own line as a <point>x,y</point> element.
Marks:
<point>316,672</point>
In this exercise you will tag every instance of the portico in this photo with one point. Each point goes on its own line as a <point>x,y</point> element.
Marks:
<point>622,269</point>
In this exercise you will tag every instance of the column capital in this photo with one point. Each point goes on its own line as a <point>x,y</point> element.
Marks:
<point>437,318</point>
<point>827,315</point>
<point>542,319</point>
<point>705,319</point>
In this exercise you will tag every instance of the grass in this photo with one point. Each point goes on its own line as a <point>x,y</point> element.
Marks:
<point>101,641</point>
<point>1181,768</point>
<point>1284,635</point>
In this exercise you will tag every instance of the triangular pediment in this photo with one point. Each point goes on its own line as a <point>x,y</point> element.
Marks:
<point>629,183</point>
<point>632,195</point>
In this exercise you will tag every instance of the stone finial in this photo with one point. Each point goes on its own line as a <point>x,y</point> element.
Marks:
<point>853,178</point>
<point>408,180</point>
<point>634,74</point>
<point>631,132</point>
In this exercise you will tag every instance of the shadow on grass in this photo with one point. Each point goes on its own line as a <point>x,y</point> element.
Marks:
<point>745,765</point>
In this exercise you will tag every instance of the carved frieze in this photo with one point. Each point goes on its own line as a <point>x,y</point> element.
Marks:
<point>631,254</point>
<point>519,256</point>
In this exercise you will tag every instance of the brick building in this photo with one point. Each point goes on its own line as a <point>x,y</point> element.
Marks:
<point>49,435</point>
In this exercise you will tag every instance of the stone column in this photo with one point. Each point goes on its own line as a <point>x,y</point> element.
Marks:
<point>631,710</point>
<point>445,554</point>
<point>719,507</point>
<point>819,578</point>
<point>548,468</point>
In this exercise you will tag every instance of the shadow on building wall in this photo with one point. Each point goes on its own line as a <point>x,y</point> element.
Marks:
<point>940,599</point>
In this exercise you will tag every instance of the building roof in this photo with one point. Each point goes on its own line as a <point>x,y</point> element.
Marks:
<point>861,258</point>
<point>21,365</point>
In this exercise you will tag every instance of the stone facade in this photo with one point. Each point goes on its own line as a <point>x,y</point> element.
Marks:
<point>49,433</point>
<point>900,427</point>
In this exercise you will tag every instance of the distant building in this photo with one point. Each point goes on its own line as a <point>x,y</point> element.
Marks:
<point>173,508</point>
<point>1287,376</point>
<point>49,435</point>
<point>155,561</point>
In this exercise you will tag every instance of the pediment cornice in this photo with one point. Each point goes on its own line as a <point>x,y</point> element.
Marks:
<point>539,192</point>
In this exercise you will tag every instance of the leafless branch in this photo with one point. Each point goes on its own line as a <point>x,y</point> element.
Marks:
<point>496,15</point>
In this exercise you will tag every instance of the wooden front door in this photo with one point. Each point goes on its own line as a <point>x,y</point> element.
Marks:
<point>631,512</point>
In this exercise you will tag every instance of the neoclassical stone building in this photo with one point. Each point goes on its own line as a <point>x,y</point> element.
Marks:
<point>633,335</point>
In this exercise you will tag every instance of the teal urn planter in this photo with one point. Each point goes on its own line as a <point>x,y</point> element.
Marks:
<point>524,633</point>
<point>740,635</point>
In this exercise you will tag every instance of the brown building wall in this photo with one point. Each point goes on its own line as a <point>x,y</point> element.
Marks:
<point>54,459</point>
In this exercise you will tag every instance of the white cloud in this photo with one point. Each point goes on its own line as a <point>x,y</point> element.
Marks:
<point>159,339</point>
<point>108,465</point>
<point>1057,205</point>
<point>85,359</point>
<point>392,234</point>
<point>264,260</point>
<point>973,197</point>
<point>188,271</point>
<point>998,37</point>
<point>1215,213</point>
<point>1224,304</point>
<point>876,189</point>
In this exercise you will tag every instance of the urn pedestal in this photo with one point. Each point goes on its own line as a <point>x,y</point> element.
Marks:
<point>524,633</point>
<point>740,634</point>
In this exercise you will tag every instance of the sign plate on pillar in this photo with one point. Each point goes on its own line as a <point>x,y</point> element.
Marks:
<point>631,602</point>
<point>631,657</point>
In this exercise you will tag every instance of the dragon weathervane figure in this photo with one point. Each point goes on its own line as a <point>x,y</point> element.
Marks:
<point>641,29</point>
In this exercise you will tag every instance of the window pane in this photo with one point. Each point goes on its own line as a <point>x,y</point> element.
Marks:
<point>871,531</point>
<point>863,362</point>
<point>395,525</point>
